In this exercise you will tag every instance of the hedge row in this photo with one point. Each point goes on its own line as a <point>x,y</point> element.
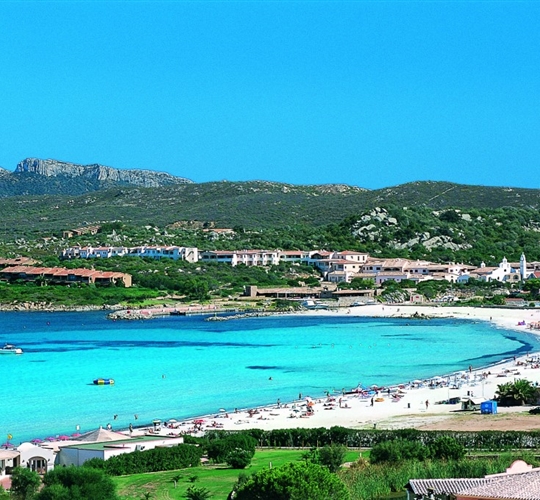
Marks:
<point>157,459</point>
<point>354,438</point>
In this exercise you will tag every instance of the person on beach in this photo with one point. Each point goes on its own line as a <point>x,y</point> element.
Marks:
<point>372,401</point>
<point>130,428</point>
<point>427,404</point>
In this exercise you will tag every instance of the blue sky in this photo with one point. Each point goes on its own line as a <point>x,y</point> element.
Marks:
<point>371,94</point>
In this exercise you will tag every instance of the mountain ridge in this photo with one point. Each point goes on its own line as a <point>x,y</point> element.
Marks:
<point>35,176</point>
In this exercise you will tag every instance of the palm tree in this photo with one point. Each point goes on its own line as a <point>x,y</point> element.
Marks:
<point>517,393</point>
<point>194,493</point>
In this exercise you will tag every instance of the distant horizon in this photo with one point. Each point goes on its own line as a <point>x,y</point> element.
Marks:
<point>272,181</point>
<point>355,92</point>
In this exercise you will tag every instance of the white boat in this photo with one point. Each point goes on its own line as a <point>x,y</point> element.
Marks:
<point>10,349</point>
<point>311,304</point>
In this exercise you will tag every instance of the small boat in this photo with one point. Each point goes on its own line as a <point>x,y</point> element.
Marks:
<point>10,349</point>
<point>103,381</point>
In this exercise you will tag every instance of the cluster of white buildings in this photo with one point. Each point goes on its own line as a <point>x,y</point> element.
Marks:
<point>336,267</point>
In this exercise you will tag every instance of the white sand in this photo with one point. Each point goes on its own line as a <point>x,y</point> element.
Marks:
<point>357,412</point>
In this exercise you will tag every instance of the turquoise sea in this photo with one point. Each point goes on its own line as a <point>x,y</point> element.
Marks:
<point>177,367</point>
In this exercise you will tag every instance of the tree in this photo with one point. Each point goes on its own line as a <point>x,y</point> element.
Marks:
<point>219,449</point>
<point>239,459</point>
<point>24,484</point>
<point>447,448</point>
<point>194,493</point>
<point>517,393</point>
<point>397,451</point>
<point>332,456</point>
<point>293,481</point>
<point>81,483</point>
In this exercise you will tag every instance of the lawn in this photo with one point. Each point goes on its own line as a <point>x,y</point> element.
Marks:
<point>217,479</point>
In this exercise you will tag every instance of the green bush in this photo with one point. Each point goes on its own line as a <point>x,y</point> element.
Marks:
<point>77,483</point>
<point>447,448</point>
<point>398,450</point>
<point>293,481</point>
<point>239,459</point>
<point>219,449</point>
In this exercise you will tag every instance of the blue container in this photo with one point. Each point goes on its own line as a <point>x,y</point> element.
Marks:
<point>488,407</point>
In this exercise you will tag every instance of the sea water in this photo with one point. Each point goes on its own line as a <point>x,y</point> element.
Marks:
<point>177,367</point>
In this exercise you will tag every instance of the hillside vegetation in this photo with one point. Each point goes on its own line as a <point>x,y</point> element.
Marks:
<point>252,205</point>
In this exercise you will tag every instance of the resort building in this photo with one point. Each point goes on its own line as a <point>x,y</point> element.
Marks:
<point>190,254</point>
<point>61,275</point>
<point>28,455</point>
<point>42,456</point>
<point>105,444</point>
<point>504,273</point>
<point>70,233</point>
<point>335,267</point>
<point>17,261</point>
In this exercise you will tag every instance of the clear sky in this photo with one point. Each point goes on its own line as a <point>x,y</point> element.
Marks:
<point>366,93</point>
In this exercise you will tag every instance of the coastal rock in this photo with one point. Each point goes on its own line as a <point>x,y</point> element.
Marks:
<point>99,173</point>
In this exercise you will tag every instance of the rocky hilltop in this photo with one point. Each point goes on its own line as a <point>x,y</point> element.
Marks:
<point>34,176</point>
<point>97,172</point>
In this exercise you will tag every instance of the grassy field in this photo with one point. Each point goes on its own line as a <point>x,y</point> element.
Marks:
<point>218,479</point>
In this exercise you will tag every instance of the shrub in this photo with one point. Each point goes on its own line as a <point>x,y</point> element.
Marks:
<point>397,451</point>
<point>332,456</point>
<point>239,459</point>
<point>293,481</point>
<point>219,449</point>
<point>447,448</point>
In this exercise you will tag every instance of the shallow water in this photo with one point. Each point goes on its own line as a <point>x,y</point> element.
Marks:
<point>176,367</point>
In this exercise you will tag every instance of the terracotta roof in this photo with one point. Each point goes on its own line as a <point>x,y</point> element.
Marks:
<point>525,486</point>
<point>443,486</point>
<point>350,252</point>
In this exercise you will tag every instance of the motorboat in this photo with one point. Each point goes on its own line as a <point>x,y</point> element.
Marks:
<point>10,349</point>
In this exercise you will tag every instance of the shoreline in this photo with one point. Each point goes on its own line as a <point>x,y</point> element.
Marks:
<point>357,412</point>
<point>410,410</point>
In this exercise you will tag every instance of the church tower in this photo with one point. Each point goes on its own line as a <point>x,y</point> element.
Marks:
<point>523,267</point>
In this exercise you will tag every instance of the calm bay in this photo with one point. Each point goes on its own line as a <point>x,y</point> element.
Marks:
<point>178,367</point>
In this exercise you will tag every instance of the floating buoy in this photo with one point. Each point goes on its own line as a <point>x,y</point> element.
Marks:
<point>104,381</point>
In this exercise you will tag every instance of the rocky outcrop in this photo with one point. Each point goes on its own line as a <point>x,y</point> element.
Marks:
<point>98,173</point>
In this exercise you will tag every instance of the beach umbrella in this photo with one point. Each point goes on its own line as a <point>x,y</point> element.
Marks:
<point>199,421</point>
<point>76,434</point>
<point>50,438</point>
<point>7,444</point>
<point>172,421</point>
<point>37,441</point>
<point>222,410</point>
<point>64,437</point>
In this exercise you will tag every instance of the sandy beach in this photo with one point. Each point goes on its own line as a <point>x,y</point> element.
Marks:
<point>418,404</point>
